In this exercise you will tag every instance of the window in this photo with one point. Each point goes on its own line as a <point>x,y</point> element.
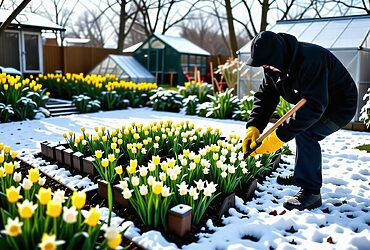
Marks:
<point>32,52</point>
<point>9,50</point>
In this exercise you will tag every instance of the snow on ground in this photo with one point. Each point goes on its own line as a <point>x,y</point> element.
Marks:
<point>343,218</point>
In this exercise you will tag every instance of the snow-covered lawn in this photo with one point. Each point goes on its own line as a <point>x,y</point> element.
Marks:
<point>344,217</point>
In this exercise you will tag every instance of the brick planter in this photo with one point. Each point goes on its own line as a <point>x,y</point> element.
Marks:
<point>88,166</point>
<point>77,160</point>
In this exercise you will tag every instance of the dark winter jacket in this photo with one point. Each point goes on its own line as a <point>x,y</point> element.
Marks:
<point>308,71</point>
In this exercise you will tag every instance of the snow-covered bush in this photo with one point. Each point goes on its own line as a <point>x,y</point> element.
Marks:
<point>365,111</point>
<point>166,100</point>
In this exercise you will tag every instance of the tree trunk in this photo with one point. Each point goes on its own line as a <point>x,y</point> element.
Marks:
<point>122,25</point>
<point>232,36</point>
<point>13,15</point>
<point>265,8</point>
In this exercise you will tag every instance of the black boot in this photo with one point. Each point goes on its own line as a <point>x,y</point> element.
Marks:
<point>286,180</point>
<point>304,199</point>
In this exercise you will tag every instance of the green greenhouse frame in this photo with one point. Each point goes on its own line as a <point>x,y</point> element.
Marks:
<point>170,58</point>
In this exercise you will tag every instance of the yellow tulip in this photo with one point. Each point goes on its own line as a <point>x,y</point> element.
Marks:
<point>7,149</point>
<point>113,244</point>
<point>8,167</point>
<point>157,187</point>
<point>105,162</point>
<point>118,170</point>
<point>44,195</point>
<point>92,217</point>
<point>14,154</point>
<point>98,154</point>
<point>26,209</point>
<point>78,199</point>
<point>34,175</point>
<point>54,209</point>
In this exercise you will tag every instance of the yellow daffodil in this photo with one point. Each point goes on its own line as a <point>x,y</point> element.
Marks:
<point>157,187</point>
<point>118,170</point>
<point>2,158</point>
<point>98,154</point>
<point>105,162</point>
<point>12,194</point>
<point>8,167</point>
<point>13,228</point>
<point>111,157</point>
<point>92,216</point>
<point>26,209</point>
<point>113,244</point>
<point>49,242</point>
<point>156,160</point>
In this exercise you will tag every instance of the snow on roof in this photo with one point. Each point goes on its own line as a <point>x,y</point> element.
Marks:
<point>350,32</point>
<point>30,20</point>
<point>182,45</point>
<point>132,48</point>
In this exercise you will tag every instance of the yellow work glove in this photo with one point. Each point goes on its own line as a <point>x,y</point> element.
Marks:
<point>269,145</point>
<point>250,138</point>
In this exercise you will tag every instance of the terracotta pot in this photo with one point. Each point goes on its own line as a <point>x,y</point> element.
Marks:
<point>67,155</point>
<point>179,220</point>
<point>88,166</point>
<point>77,160</point>
<point>59,155</point>
<point>228,202</point>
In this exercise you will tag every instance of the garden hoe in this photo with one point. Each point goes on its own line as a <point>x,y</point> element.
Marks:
<point>275,126</point>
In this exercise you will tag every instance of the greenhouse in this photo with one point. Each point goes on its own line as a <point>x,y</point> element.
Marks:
<point>124,67</point>
<point>170,58</point>
<point>346,37</point>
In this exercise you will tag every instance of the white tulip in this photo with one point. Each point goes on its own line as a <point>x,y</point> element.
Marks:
<point>162,176</point>
<point>192,166</point>
<point>223,174</point>
<point>123,184</point>
<point>111,233</point>
<point>205,171</point>
<point>151,180</point>
<point>184,162</point>
<point>135,181</point>
<point>192,191</point>
<point>27,184</point>
<point>42,181</point>
<point>192,155</point>
<point>143,171</point>
<point>232,160</point>
<point>151,166</point>
<point>258,164</point>
<point>166,191</point>
<point>200,184</point>
<point>59,196</point>
<point>224,151</point>
<point>127,193</point>
<point>17,177</point>
<point>16,164</point>
<point>183,188</point>
<point>70,214</point>
<point>231,169</point>
<point>143,190</point>
<point>244,170</point>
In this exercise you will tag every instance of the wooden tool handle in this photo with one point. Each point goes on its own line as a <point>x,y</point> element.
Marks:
<point>282,119</point>
<point>277,124</point>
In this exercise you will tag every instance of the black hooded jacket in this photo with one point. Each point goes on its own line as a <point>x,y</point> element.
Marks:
<point>312,72</point>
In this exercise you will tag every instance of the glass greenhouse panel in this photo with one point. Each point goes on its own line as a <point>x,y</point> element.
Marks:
<point>284,28</point>
<point>311,32</point>
<point>354,34</point>
<point>298,29</point>
<point>330,33</point>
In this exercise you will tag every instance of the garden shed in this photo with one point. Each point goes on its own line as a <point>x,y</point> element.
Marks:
<point>347,38</point>
<point>125,68</point>
<point>170,58</point>
<point>21,43</point>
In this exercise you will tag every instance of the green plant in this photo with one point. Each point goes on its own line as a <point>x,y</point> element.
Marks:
<point>201,90</point>
<point>84,104</point>
<point>365,110</point>
<point>285,150</point>
<point>245,108</point>
<point>6,112</point>
<point>223,105</point>
<point>166,100</point>
<point>110,100</point>
<point>282,108</point>
<point>26,108</point>
<point>191,103</point>
<point>365,147</point>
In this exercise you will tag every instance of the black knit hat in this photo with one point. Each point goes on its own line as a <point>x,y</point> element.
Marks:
<point>269,49</point>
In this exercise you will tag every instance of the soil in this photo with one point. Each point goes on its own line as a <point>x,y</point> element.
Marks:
<point>129,214</point>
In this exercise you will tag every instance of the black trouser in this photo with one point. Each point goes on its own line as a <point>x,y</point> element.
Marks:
<point>308,162</point>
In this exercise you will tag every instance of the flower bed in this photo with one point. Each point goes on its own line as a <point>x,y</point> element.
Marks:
<point>157,167</point>
<point>92,92</point>
<point>35,216</point>
<point>20,99</point>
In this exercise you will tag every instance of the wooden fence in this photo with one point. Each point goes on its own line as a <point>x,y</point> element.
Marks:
<point>73,59</point>
<point>84,59</point>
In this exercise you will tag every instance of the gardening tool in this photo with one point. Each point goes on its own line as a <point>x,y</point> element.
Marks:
<point>275,126</point>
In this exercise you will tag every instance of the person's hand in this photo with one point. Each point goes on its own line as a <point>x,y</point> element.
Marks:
<point>250,138</point>
<point>269,145</point>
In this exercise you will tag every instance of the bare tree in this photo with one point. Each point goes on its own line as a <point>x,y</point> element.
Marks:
<point>168,13</point>
<point>230,23</point>
<point>88,25</point>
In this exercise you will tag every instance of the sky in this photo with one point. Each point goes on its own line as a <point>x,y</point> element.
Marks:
<point>239,12</point>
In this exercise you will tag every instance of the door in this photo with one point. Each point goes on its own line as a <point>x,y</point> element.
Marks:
<point>31,56</point>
